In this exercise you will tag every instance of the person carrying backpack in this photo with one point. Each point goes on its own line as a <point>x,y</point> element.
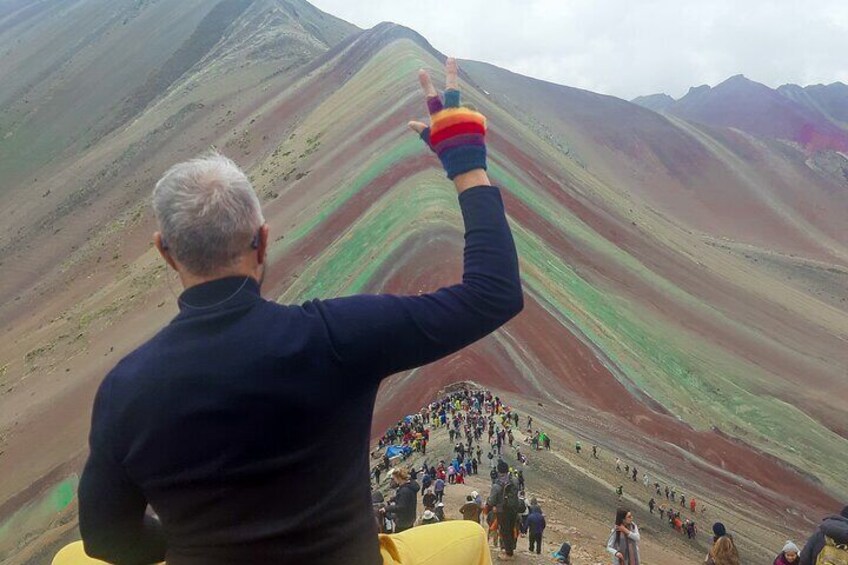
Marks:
<point>504,497</point>
<point>829,543</point>
<point>535,527</point>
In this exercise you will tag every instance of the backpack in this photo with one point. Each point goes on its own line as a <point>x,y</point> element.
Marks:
<point>833,553</point>
<point>510,501</point>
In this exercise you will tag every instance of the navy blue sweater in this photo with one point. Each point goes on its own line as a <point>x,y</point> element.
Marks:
<point>245,424</point>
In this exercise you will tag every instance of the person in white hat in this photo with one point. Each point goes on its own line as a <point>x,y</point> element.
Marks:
<point>428,518</point>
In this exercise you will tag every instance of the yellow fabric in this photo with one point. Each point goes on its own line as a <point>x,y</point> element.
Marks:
<point>457,542</point>
<point>74,554</point>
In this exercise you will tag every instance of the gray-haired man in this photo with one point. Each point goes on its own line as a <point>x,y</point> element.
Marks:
<point>197,421</point>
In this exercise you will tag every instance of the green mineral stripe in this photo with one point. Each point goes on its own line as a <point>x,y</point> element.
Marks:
<point>40,511</point>
<point>350,263</point>
<point>702,392</point>
<point>404,149</point>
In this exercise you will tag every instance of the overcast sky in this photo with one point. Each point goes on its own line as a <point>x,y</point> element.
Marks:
<point>630,47</point>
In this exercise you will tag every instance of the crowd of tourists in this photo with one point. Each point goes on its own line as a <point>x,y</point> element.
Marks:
<point>479,425</point>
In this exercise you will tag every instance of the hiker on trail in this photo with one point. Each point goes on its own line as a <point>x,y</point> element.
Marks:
<point>378,503</point>
<point>645,479</point>
<point>723,550</point>
<point>620,492</point>
<point>440,511</point>
<point>520,477</point>
<point>428,517</point>
<point>635,472</point>
<point>504,497</point>
<point>789,555</point>
<point>470,510</point>
<point>623,543</point>
<point>618,464</point>
<point>692,504</point>
<point>825,541</point>
<point>521,457</point>
<point>529,423</point>
<point>682,501</point>
<point>577,447</point>
<point>666,492</point>
<point>662,511</point>
<point>439,489</point>
<point>426,481</point>
<point>535,527</point>
<point>595,451</point>
<point>377,474</point>
<point>184,417</point>
<point>626,469</point>
<point>474,466</point>
<point>522,516</point>
<point>492,525</point>
<point>651,504</point>
<point>429,500</point>
<point>403,506</point>
<point>692,530</point>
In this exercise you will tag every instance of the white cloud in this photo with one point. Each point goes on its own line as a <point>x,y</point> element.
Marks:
<point>626,47</point>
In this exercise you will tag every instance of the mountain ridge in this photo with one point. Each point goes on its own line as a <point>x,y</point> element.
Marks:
<point>815,116</point>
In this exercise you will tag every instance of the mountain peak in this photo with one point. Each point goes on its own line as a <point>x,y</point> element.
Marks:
<point>657,102</point>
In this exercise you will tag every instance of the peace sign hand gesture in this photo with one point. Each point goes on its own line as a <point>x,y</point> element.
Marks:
<point>456,134</point>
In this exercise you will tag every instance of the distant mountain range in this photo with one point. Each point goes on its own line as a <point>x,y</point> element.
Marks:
<point>815,117</point>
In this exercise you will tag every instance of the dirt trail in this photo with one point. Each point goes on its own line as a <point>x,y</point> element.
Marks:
<point>554,479</point>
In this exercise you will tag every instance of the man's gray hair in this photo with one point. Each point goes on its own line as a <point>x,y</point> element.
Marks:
<point>208,212</point>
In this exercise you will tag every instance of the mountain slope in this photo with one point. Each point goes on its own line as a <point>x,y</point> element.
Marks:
<point>79,69</point>
<point>665,311</point>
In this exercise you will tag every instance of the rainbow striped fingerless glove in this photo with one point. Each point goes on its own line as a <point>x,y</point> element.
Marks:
<point>456,134</point>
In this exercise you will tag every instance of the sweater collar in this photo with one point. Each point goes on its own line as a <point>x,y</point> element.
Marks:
<point>218,294</point>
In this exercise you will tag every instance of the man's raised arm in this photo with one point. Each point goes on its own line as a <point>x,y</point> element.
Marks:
<point>384,334</point>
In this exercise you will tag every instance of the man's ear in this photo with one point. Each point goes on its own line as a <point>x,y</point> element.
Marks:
<point>262,248</point>
<point>163,250</point>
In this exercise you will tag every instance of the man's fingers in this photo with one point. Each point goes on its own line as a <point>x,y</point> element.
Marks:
<point>451,81</point>
<point>426,84</point>
<point>417,127</point>
<point>434,103</point>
